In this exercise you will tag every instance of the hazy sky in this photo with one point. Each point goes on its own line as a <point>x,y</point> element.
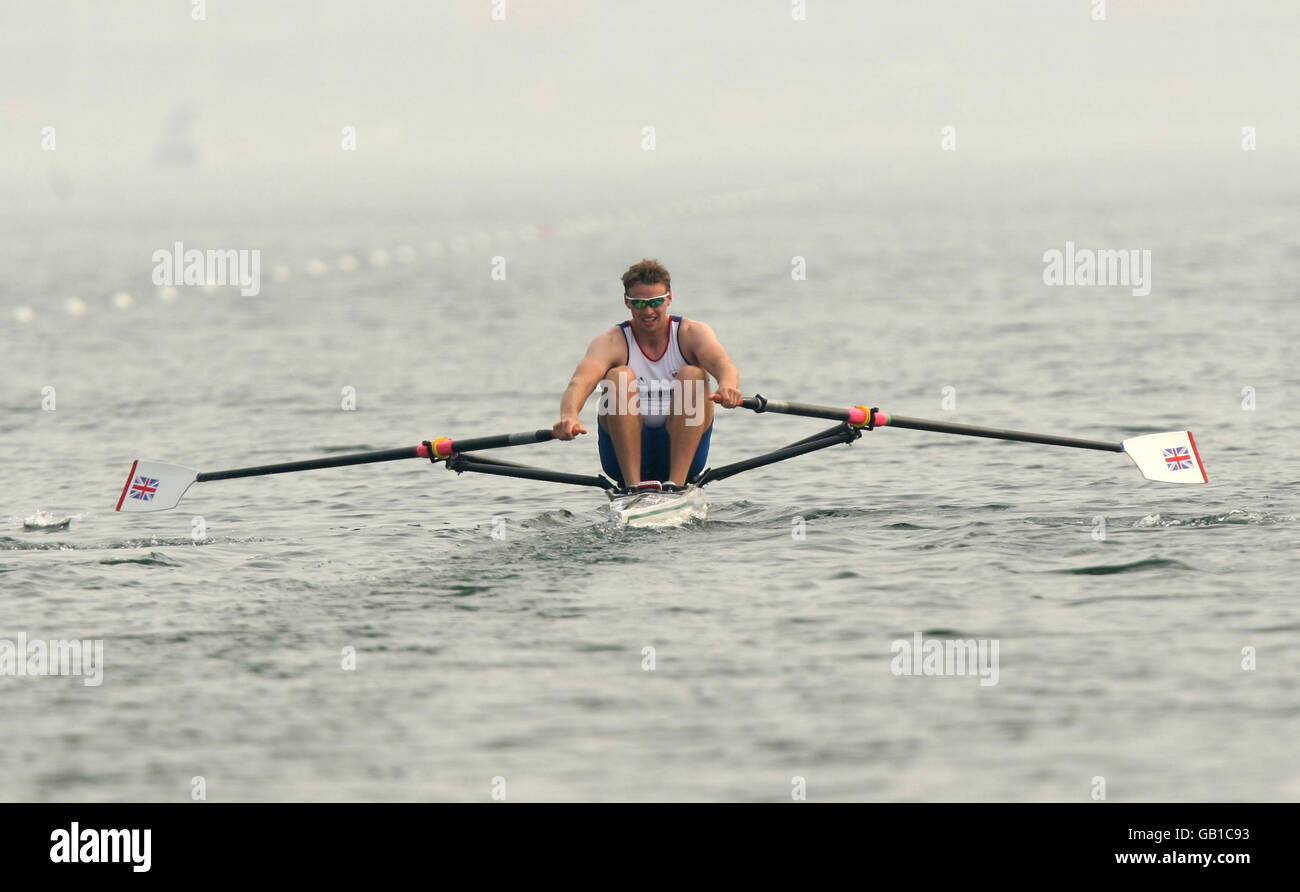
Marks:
<point>564,87</point>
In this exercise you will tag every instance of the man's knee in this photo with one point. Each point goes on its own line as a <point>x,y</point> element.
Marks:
<point>691,398</point>
<point>620,394</point>
<point>620,377</point>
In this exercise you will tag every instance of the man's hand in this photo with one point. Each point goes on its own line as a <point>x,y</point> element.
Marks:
<point>729,397</point>
<point>567,428</point>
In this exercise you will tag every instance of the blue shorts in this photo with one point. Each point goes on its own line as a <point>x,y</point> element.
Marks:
<point>655,455</point>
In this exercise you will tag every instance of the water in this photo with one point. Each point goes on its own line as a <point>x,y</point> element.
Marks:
<point>522,657</point>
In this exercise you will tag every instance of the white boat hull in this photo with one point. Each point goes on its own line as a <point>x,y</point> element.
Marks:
<point>659,509</point>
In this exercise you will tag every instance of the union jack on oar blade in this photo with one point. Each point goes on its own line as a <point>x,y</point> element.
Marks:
<point>1170,457</point>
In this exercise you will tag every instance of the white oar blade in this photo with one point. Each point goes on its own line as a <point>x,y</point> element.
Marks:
<point>1169,457</point>
<point>154,486</point>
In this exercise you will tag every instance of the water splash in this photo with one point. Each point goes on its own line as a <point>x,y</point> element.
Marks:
<point>1237,516</point>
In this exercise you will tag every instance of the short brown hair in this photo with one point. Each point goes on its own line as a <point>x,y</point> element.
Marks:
<point>647,272</point>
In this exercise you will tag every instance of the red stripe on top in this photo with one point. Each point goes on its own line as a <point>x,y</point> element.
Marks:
<point>1205,478</point>
<point>125,486</point>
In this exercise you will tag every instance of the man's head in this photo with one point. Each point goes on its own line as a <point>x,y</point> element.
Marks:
<point>645,284</point>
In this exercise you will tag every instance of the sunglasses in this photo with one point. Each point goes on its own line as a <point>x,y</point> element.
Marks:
<point>652,303</point>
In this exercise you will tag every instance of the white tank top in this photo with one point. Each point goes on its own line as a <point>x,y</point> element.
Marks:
<point>655,375</point>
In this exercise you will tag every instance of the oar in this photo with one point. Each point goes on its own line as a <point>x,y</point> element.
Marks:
<point>1170,457</point>
<point>157,486</point>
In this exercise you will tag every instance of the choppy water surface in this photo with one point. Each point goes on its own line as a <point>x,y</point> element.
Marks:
<point>522,657</point>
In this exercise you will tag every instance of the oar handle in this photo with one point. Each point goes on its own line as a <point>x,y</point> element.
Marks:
<point>856,415</point>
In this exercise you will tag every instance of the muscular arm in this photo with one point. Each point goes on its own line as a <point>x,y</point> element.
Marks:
<point>700,340</point>
<point>602,354</point>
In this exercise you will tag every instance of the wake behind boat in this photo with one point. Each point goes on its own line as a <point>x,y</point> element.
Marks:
<point>1169,457</point>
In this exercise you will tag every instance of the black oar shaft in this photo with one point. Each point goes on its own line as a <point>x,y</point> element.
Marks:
<point>970,430</point>
<point>333,461</point>
<point>362,458</point>
<point>762,404</point>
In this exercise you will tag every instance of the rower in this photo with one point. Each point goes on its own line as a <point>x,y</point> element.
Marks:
<point>656,410</point>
